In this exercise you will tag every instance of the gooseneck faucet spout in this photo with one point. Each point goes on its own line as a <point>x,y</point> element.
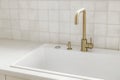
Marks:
<point>84,44</point>
<point>84,20</point>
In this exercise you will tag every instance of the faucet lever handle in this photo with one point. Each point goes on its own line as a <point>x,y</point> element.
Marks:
<point>91,43</point>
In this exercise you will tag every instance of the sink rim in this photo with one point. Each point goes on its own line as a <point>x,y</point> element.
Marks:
<point>14,65</point>
<point>54,72</point>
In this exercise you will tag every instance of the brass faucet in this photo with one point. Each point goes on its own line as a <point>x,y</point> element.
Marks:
<point>84,44</point>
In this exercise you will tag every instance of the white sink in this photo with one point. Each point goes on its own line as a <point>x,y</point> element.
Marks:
<point>71,63</point>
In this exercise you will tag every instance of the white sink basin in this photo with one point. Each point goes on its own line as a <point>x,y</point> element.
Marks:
<point>72,63</point>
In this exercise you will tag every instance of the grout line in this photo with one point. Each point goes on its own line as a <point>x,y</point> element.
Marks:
<point>106,27</point>
<point>59,24</point>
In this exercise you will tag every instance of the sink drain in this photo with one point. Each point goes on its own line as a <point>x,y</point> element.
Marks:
<point>57,47</point>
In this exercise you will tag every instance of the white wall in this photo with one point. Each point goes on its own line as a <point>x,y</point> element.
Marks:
<point>53,21</point>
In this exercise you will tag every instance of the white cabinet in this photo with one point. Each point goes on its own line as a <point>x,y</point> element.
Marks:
<point>18,78</point>
<point>2,77</point>
<point>7,77</point>
<point>14,78</point>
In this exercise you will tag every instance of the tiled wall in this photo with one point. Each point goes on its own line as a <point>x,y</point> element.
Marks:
<point>52,21</point>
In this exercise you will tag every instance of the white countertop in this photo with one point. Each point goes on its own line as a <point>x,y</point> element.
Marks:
<point>11,50</point>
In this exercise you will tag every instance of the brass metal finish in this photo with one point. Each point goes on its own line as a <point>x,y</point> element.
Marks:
<point>84,44</point>
<point>69,46</point>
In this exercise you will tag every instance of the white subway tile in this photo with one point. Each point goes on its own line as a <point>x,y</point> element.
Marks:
<point>76,4</point>
<point>89,5</point>
<point>15,24</point>
<point>89,29</point>
<point>53,5</point>
<point>101,17</point>
<point>33,14</point>
<point>54,15</point>
<point>5,24</point>
<point>24,25</point>
<point>14,14</point>
<point>4,14</point>
<point>54,37</point>
<point>13,4</point>
<point>4,3</point>
<point>99,41</point>
<point>113,30</point>
<point>101,6</point>
<point>113,18</point>
<point>112,43</point>
<point>33,4</point>
<point>114,6</point>
<point>43,4</point>
<point>64,38</point>
<point>16,34</point>
<point>90,17</point>
<point>76,38</point>
<point>25,35</point>
<point>35,36</point>
<point>23,13</point>
<point>76,29</point>
<point>100,30</point>
<point>54,27</point>
<point>64,16</point>
<point>34,25</point>
<point>64,27</point>
<point>6,33</point>
<point>23,4</point>
<point>44,37</point>
<point>64,5</point>
<point>43,15</point>
<point>44,26</point>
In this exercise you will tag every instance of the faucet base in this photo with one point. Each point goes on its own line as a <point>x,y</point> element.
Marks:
<point>85,45</point>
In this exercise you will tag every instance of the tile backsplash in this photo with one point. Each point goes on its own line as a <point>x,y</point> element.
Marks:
<point>52,21</point>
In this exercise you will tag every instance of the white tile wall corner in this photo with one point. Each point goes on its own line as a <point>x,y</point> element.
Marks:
<point>52,21</point>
